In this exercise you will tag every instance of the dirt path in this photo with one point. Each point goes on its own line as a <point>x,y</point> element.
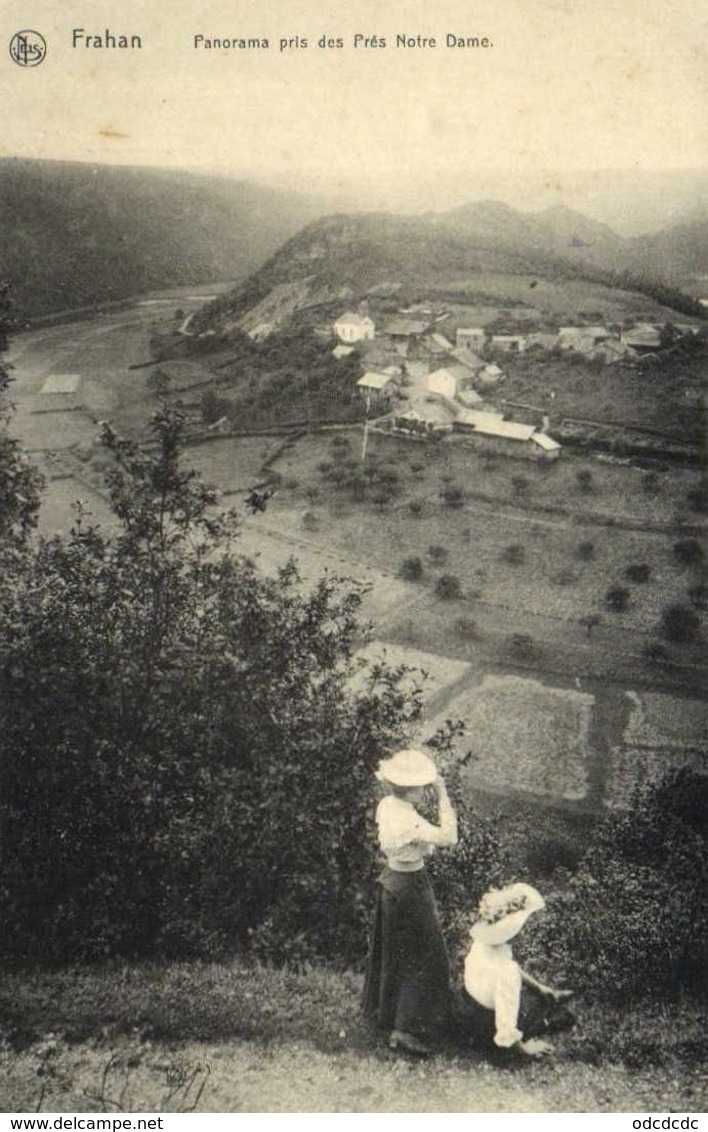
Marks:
<point>239,1076</point>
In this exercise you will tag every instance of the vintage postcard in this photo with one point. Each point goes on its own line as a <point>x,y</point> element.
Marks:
<point>420,292</point>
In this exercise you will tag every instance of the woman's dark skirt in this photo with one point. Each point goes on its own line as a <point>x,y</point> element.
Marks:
<point>407,984</point>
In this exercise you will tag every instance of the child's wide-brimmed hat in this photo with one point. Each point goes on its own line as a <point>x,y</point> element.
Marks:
<point>408,768</point>
<point>503,912</point>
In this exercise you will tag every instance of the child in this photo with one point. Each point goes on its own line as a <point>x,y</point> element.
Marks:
<point>503,1002</point>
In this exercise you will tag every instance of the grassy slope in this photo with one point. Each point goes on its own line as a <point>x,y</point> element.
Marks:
<point>271,1040</point>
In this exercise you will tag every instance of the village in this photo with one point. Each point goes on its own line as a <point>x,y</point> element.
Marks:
<point>425,375</point>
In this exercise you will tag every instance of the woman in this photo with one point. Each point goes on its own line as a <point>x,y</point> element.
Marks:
<point>407,989</point>
<point>505,1005</point>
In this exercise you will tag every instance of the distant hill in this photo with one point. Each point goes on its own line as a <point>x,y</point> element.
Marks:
<point>73,234</point>
<point>339,259</point>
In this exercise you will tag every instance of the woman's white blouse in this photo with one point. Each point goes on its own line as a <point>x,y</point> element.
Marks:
<point>406,838</point>
<point>493,979</point>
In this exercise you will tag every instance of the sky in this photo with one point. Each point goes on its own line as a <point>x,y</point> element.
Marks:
<point>600,105</point>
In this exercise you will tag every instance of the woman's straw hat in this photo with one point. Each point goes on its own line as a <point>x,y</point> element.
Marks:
<point>408,768</point>
<point>503,912</point>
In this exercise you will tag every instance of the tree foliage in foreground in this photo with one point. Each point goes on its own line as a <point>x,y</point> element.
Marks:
<point>187,748</point>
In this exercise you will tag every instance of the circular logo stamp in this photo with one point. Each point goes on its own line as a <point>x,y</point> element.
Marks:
<point>28,48</point>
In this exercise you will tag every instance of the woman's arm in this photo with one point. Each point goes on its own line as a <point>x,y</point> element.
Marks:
<point>446,832</point>
<point>557,995</point>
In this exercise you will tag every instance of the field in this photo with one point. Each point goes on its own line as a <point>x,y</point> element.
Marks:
<point>527,557</point>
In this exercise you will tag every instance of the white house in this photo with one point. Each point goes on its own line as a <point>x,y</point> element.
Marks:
<point>354,327</point>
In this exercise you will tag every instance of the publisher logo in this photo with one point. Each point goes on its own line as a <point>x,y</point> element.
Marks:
<point>28,48</point>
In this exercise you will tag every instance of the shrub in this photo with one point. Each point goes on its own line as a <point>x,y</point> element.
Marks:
<point>698,595</point>
<point>381,497</point>
<point>656,653</point>
<point>584,480</point>
<point>411,569</point>
<point>688,551</point>
<point>651,483</point>
<point>585,551</point>
<point>514,554</point>
<point>521,646</point>
<point>185,765</point>
<point>634,920</point>
<point>697,498</point>
<point>448,587</point>
<point>453,497</point>
<point>566,577</point>
<point>680,623</point>
<point>467,629</point>
<point>324,467</point>
<point>638,572</point>
<point>437,554</point>
<point>520,485</point>
<point>617,599</point>
<point>416,507</point>
<point>310,521</point>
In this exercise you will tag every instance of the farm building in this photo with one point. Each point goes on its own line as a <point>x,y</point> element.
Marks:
<point>467,358</point>
<point>492,433</point>
<point>62,384</point>
<point>643,336</point>
<point>470,336</point>
<point>490,375</point>
<point>511,343</point>
<point>548,448</point>
<point>407,328</point>
<point>354,327</point>
<point>448,379</point>
<point>378,386</point>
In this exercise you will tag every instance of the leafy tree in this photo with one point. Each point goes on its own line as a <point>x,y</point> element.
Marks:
<point>437,553</point>
<point>584,480</point>
<point>448,587</point>
<point>688,551</point>
<point>680,623</point>
<point>617,599</point>
<point>585,551</point>
<point>638,572</point>
<point>186,763</point>
<point>514,554</point>
<point>412,569</point>
<point>634,916</point>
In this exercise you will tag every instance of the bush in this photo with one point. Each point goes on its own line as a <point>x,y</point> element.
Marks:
<point>584,480</point>
<point>585,551</point>
<point>467,629</point>
<point>519,484</point>
<point>411,569</point>
<point>688,551</point>
<point>448,587</point>
<point>617,599</point>
<point>453,497</point>
<point>515,554</point>
<point>634,920</point>
<point>437,554</point>
<point>416,507</point>
<point>638,572</point>
<point>697,499</point>
<point>186,767</point>
<point>680,623</point>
